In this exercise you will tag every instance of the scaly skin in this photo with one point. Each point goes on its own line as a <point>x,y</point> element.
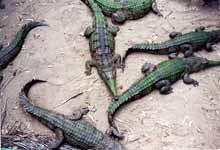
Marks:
<point>102,48</point>
<point>161,77</point>
<point>71,129</point>
<point>186,43</point>
<point>8,53</point>
<point>120,11</point>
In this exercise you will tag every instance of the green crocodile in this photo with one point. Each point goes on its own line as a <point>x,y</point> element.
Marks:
<point>8,53</point>
<point>120,11</point>
<point>186,43</point>
<point>102,48</point>
<point>72,129</point>
<point>160,77</point>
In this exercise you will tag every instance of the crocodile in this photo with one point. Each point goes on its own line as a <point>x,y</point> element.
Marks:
<point>160,77</point>
<point>7,54</point>
<point>186,43</point>
<point>71,129</point>
<point>123,10</point>
<point>102,48</point>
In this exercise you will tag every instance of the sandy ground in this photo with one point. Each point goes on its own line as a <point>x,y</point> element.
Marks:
<point>187,119</point>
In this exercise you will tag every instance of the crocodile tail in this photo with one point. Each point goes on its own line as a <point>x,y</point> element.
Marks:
<point>23,95</point>
<point>21,35</point>
<point>212,63</point>
<point>142,47</point>
<point>10,52</point>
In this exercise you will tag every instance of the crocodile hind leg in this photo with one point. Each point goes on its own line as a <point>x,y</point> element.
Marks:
<point>113,29</point>
<point>172,35</point>
<point>59,140</point>
<point>155,9</point>
<point>147,68</point>
<point>187,49</point>
<point>88,32</point>
<point>77,115</point>
<point>89,65</point>
<point>117,60</point>
<point>164,86</point>
<point>200,29</point>
<point>188,80</point>
<point>209,47</point>
<point>118,17</point>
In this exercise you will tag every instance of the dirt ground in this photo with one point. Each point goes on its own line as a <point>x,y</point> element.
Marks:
<point>187,119</point>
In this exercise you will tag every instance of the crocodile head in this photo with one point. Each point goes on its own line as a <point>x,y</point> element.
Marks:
<point>108,143</point>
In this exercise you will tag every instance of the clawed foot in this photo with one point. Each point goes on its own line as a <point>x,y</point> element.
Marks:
<point>114,133</point>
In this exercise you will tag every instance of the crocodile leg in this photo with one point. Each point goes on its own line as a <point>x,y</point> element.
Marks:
<point>172,35</point>
<point>187,49</point>
<point>59,140</point>
<point>113,132</point>
<point>173,52</point>
<point>199,29</point>
<point>88,32</point>
<point>188,80</point>
<point>118,17</point>
<point>147,68</point>
<point>113,29</point>
<point>209,47</point>
<point>155,9</point>
<point>164,86</point>
<point>77,115</point>
<point>89,65</point>
<point>117,60</point>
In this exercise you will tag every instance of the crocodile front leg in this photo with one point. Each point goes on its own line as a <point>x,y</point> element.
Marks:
<point>77,115</point>
<point>164,86</point>
<point>89,65</point>
<point>147,68</point>
<point>59,140</point>
<point>187,49</point>
<point>155,9</point>
<point>188,80</point>
<point>173,52</point>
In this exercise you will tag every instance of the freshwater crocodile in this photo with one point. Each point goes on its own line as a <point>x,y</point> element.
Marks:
<point>8,53</point>
<point>102,48</point>
<point>71,129</point>
<point>160,77</point>
<point>123,10</point>
<point>186,43</point>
